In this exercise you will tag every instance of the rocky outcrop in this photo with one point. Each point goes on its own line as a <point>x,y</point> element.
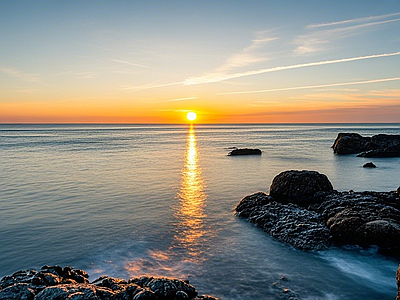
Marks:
<point>381,145</point>
<point>398,283</point>
<point>383,152</point>
<point>350,143</point>
<point>289,223</point>
<point>332,218</point>
<point>363,218</point>
<point>244,151</point>
<point>57,283</point>
<point>298,187</point>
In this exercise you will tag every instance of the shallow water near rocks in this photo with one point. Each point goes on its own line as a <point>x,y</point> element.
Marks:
<point>128,200</point>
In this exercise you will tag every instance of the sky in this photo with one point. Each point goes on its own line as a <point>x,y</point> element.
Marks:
<point>228,61</point>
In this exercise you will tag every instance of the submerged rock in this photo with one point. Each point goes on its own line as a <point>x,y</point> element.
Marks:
<point>381,145</point>
<point>363,218</point>
<point>56,283</point>
<point>298,186</point>
<point>245,151</point>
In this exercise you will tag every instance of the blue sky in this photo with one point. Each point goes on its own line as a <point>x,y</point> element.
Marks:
<point>230,61</point>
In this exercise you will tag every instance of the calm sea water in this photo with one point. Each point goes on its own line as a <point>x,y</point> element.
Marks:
<point>128,200</point>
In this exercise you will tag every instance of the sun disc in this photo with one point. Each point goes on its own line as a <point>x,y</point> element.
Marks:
<point>191,116</point>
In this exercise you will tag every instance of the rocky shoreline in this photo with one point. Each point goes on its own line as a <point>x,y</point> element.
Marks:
<point>305,211</point>
<point>380,145</point>
<point>57,283</point>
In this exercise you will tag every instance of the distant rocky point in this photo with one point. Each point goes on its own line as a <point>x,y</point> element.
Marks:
<point>244,151</point>
<point>381,145</point>
<point>57,283</point>
<point>305,211</point>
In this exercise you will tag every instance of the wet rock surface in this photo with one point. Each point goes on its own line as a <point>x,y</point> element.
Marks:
<point>57,283</point>
<point>381,145</point>
<point>332,218</point>
<point>398,283</point>
<point>289,223</point>
<point>298,186</point>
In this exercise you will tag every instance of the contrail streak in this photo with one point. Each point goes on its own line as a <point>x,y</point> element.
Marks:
<point>221,77</point>
<point>312,86</point>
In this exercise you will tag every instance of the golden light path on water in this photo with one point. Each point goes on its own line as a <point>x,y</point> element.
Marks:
<point>186,245</point>
<point>192,200</point>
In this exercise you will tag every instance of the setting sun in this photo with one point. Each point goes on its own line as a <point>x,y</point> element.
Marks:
<point>191,116</point>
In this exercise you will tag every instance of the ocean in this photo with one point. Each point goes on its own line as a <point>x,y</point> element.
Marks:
<point>130,200</point>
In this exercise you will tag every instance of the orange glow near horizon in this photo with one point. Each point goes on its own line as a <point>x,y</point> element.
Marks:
<point>308,109</point>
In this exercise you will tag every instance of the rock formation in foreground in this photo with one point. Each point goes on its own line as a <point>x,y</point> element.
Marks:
<point>57,283</point>
<point>381,145</point>
<point>304,211</point>
<point>398,283</point>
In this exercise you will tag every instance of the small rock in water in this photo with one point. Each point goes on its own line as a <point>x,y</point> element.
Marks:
<point>369,165</point>
<point>245,151</point>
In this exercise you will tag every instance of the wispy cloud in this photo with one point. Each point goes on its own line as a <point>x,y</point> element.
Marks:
<point>27,91</point>
<point>356,20</point>
<point>322,35</point>
<point>150,86</point>
<point>313,86</point>
<point>217,77</point>
<point>253,53</point>
<point>181,99</point>
<point>19,74</point>
<point>127,63</point>
<point>78,74</point>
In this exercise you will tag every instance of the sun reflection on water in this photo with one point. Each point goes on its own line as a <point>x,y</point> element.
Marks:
<point>190,214</point>
<point>186,249</point>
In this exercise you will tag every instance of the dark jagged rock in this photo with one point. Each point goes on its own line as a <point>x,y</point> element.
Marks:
<point>361,218</point>
<point>245,151</point>
<point>251,204</point>
<point>384,152</point>
<point>398,283</point>
<point>381,145</point>
<point>369,165</point>
<point>290,223</point>
<point>298,186</point>
<point>350,143</point>
<point>18,291</point>
<point>165,288</point>
<point>57,283</point>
